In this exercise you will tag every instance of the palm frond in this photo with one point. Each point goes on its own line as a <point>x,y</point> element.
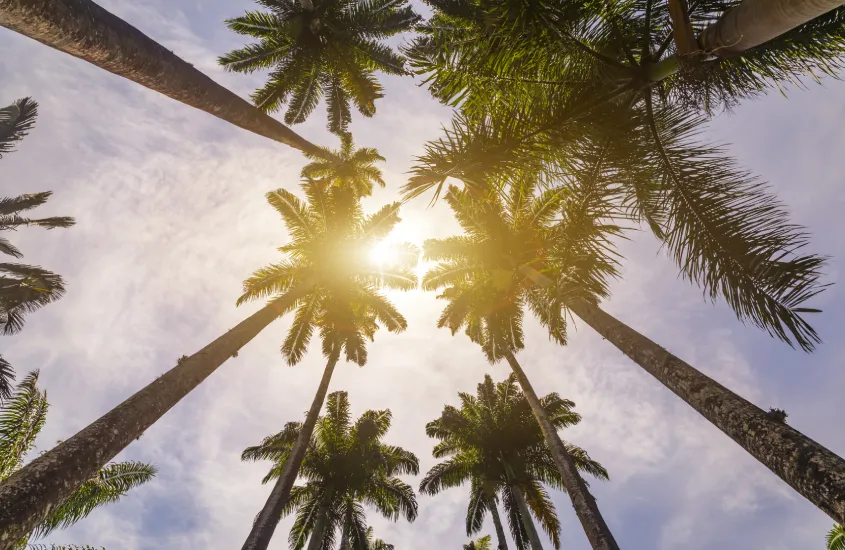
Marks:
<point>16,121</point>
<point>21,418</point>
<point>731,236</point>
<point>111,483</point>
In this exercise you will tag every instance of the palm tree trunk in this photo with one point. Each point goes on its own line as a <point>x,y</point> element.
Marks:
<point>527,522</point>
<point>585,506</point>
<point>263,528</point>
<point>344,538</point>
<point>83,29</point>
<point>500,531</point>
<point>307,5</point>
<point>319,532</point>
<point>754,22</point>
<point>809,468</point>
<point>27,496</point>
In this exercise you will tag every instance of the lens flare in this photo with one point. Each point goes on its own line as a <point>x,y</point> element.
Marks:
<point>384,253</point>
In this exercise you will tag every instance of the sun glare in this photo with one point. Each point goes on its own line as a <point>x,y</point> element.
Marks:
<point>384,253</point>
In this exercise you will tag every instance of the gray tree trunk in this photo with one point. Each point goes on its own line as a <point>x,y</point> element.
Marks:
<point>307,5</point>
<point>585,506</point>
<point>344,538</point>
<point>319,532</point>
<point>500,531</point>
<point>263,528</point>
<point>83,29</point>
<point>28,496</point>
<point>527,522</point>
<point>809,468</point>
<point>754,22</point>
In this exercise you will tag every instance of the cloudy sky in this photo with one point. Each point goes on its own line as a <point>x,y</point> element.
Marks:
<point>172,217</point>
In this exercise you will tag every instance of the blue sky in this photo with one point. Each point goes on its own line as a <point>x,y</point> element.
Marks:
<point>171,218</point>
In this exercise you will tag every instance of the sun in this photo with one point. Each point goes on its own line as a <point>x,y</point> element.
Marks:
<point>384,253</point>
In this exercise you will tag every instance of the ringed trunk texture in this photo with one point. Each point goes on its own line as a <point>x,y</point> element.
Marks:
<point>809,468</point>
<point>85,30</point>
<point>585,506</point>
<point>30,494</point>
<point>527,522</point>
<point>753,22</point>
<point>264,527</point>
<point>500,531</point>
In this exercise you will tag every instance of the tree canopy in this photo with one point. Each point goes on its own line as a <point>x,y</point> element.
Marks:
<point>328,48</point>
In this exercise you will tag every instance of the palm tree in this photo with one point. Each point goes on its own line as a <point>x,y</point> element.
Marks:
<point>21,420</point>
<point>494,442</point>
<point>483,274</point>
<point>315,48</point>
<point>345,304</point>
<point>23,288</point>
<point>374,543</point>
<point>836,538</point>
<point>351,168</point>
<point>481,544</point>
<point>345,466</point>
<point>305,278</point>
<point>593,111</point>
<point>85,30</point>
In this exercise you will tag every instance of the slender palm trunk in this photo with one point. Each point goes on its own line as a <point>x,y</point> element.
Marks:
<point>263,528</point>
<point>500,531</point>
<point>527,522</point>
<point>754,22</point>
<point>585,506</point>
<point>319,532</point>
<point>344,539</point>
<point>809,468</point>
<point>83,29</point>
<point>28,496</point>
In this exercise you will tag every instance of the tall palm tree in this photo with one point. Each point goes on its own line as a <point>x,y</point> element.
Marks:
<point>21,420</point>
<point>594,105</point>
<point>484,281</point>
<point>23,288</point>
<point>350,167</point>
<point>836,538</point>
<point>302,279</point>
<point>85,30</point>
<point>481,544</point>
<point>324,47</point>
<point>372,542</point>
<point>345,466</point>
<point>345,304</point>
<point>494,442</point>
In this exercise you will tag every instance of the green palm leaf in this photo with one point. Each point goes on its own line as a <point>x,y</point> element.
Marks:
<point>836,538</point>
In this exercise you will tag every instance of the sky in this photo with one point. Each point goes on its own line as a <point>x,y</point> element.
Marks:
<point>172,217</point>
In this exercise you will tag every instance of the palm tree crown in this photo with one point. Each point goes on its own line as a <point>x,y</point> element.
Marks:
<point>330,240</point>
<point>597,100</point>
<point>330,48</point>
<point>481,544</point>
<point>351,168</point>
<point>345,467</point>
<point>494,442</point>
<point>21,420</point>
<point>487,273</point>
